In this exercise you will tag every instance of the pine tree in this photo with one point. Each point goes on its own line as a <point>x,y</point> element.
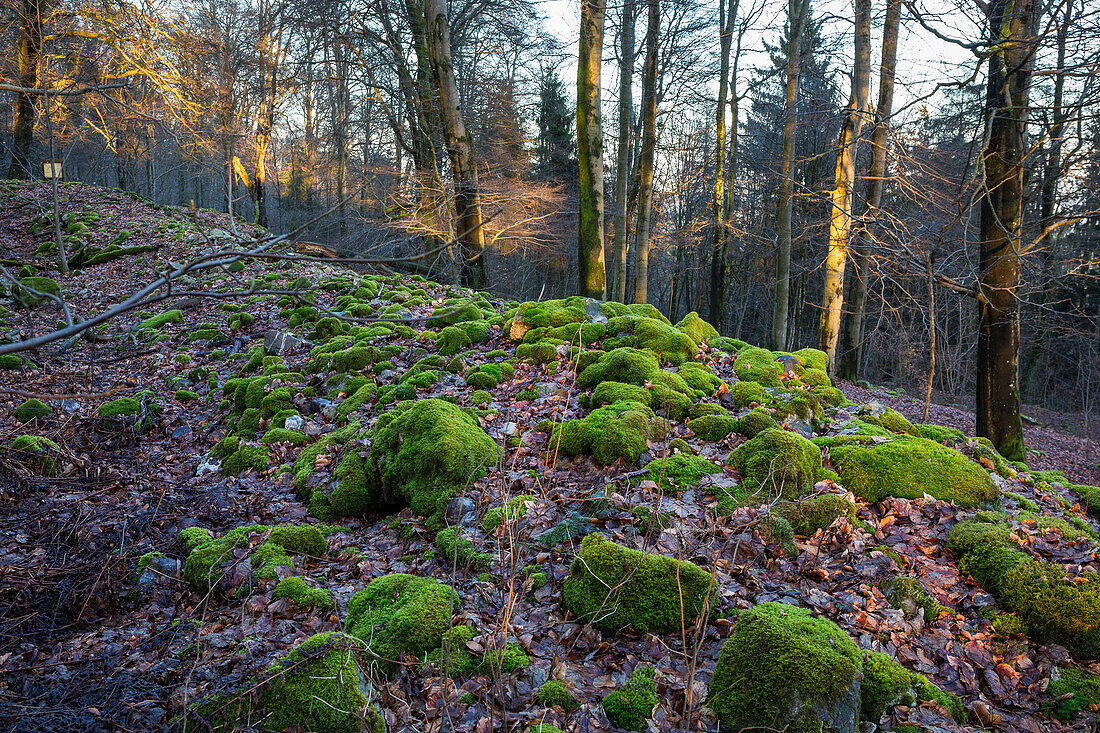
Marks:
<point>556,145</point>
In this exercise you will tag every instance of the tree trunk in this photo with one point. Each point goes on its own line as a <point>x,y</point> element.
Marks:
<point>1011,26</point>
<point>622,153</point>
<point>28,51</point>
<point>840,219</point>
<point>720,241</point>
<point>796,17</point>
<point>849,360</point>
<point>473,272</point>
<point>590,235</point>
<point>645,160</point>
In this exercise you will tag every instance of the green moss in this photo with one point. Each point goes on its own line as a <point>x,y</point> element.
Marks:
<point>745,394</point>
<point>454,313</point>
<point>303,594</point>
<point>941,434</point>
<point>910,468</point>
<point>451,340</point>
<point>886,684</point>
<point>698,329</point>
<point>1009,624</point>
<point>755,421</point>
<point>713,427</point>
<point>319,686</point>
<point>247,456</point>
<point>630,706</point>
<point>680,471</point>
<point>456,550</point>
<point>813,359</point>
<point>778,462</point>
<point>37,450</point>
<point>904,591</point>
<point>621,430</point>
<point>541,352</point>
<point>607,393</point>
<point>357,400</point>
<point>782,668</point>
<point>208,555</point>
<point>44,285</point>
<point>629,366</point>
<point>1071,690</point>
<point>653,335</point>
<point>616,587</point>
<point>757,365</point>
<point>170,316</point>
<point>482,397</point>
<point>401,613</point>
<point>32,409</point>
<point>497,515</point>
<point>554,693</point>
<point>10,361</point>
<point>424,452</point>
<point>812,513</point>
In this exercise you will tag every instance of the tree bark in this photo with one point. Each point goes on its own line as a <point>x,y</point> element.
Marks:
<point>473,272</point>
<point>720,241</point>
<point>28,52</point>
<point>590,230</point>
<point>1011,27</point>
<point>796,18</point>
<point>645,159</point>
<point>840,219</point>
<point>849,360</point>
<point>622,153</point>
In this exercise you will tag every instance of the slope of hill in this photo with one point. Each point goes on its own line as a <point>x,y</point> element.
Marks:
<point>293,494</point>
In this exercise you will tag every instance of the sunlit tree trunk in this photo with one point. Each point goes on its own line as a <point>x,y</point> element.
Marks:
<point>840,219</point>
<point>473,272</point>
<point>592,276</point>
<point>720,240</point>
<point>28,51</point>
<point>849,360</point>
<point>1011,25</point>
<point>645,159</point>
<point>622,153</point>
<point>797,10</point>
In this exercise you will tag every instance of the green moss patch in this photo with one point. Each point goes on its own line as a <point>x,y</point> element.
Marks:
<point>812,513</point>
<point>303,594</point>
<point>630,706</point>
<point>263,546</point>
<point>37,451</point>
<point>1071,690</point>
<point>554,693</point>
<point>32,409</point>
<point>621,430</point>
<point>680,471</point>
<point>615,587</point>
<point>778,463</point>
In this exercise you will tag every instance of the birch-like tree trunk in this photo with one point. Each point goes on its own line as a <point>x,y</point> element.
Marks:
<point>473,272</point>
<point>622,152</point>
<point>1011,27</point>
<point>840,219</point>
<point>591,273</point>
<point>645,158</point>
<point>797,10</point>
<point>849,359</point>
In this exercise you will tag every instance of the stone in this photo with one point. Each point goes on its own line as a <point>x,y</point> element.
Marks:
<point>457,511</point>
<point>183,431</point>
<point>294,422</point>
<point>280,342</point>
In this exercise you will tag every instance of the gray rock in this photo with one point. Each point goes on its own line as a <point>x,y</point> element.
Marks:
<point>509,429</point>
<point>280,342</point>
<point>387,374</point>
<point>317,405</point>
<point>183,431</point>
<point>800,426</point>
<point>294,422</point>
<point>69,405</point>
<point>458,509</point>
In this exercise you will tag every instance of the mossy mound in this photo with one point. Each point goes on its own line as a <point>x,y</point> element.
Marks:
<point>889,419</point>
<point>457,550</point>
<point>143,408</point>
<point>264,547</point>
<point>886,684</point>
<point>38,451</point>
<point>424,452</point>
<point>320,686</point>
<point>303,594</point>
<point>713,427</point>
<point>32,409</point>
<point>621,430</point>
<point>755,421</point>
<point>907,594</point>
<point>679,471</point>
<point>785,669</point>
<point>630,706</point>
<point>778,463</point>
<point>1053,606</point>
<point>401,614</point>
<point>651,334</point>
<point>629,366</point>
<point>615,587</point>
<point>456,660</point>
<point>757,365</point>
<point>554,693</point>
<point>910,468</point>
<point>941,434</point>
<point>1071,690</point>
<point>23,295</point>
<point>498,515</point>
<point>812,513</point>
<point>699,330</point>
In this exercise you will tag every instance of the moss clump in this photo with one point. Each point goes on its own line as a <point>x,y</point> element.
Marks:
<point>453,313</point>
<point>941,434</point>
<point>757,365</point>
<point>185,395</point>
<point>171,316</point>
<point>457,660</point>
<point>713,427</point>
<point>629,366</point>
<point>1071,690</point>
<point>497,515</point>
<point>39,451</point>
<point>554,693</point>
<point>886,684</point>
<point>208,555</point>
<point>482,397</point>
<point>910,468</point>
<point>621,430</point>
<point>783,669</point>
<point>909,595</point>
<point>303,594</point>
<point>778,462</point>
<point>424,452</point>
<point>808,515</point>
<point>680,471</point>
<point>608,393</point>
<point>652,334</point>
<point>755,421</point>
<point>401,614</point>
<point>456,550</point>
<point>45,285</point>
<point>699,330</point>
<point>893,421</point>
<point>615,587</point>
<point>451,340</point>
<point>630,706</point>
<point>32,409</point>
<point>319,686</point>
<point>10,361</point>
<point>745,394</point>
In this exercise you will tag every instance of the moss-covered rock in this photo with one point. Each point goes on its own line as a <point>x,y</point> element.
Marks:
<point>778,463</point>
<point>941,434</point>
<point>755,421</point>
<point>698,329</point>
<point>713,427</point>
<point>610,392</point>
<point>630,706</point>
<point>757,365</point>
<point>679,471</point>
<point>209,557</point>
<point>653,335</point>
<point>32,409</point>
<point>457,550</point>
<point>158,321</point>
<point>303,594</point>
<point>886,684</point>
<point>320,686</point>
<point>554,693</point>
<point>456,660</point>
<point>497,515</point>
<point>615,587</point>
<point>47,286</point>
<point>38,451</point>
<point>424,452</point>
<point>812,513</point>
<point>747,394</point>
<point>786,669</point>
<point>401,614</point>
<point>910,468</point>
<point>621,430</point>
<point>629,366</point>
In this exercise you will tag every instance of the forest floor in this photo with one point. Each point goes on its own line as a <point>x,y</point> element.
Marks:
<point>89,642</point>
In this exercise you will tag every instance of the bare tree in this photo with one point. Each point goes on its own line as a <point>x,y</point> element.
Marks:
<point>645,160</point>
<point>622,152</point>
<point>590,230</point>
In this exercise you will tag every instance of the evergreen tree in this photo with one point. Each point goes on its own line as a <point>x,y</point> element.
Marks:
<point>556,144</point>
